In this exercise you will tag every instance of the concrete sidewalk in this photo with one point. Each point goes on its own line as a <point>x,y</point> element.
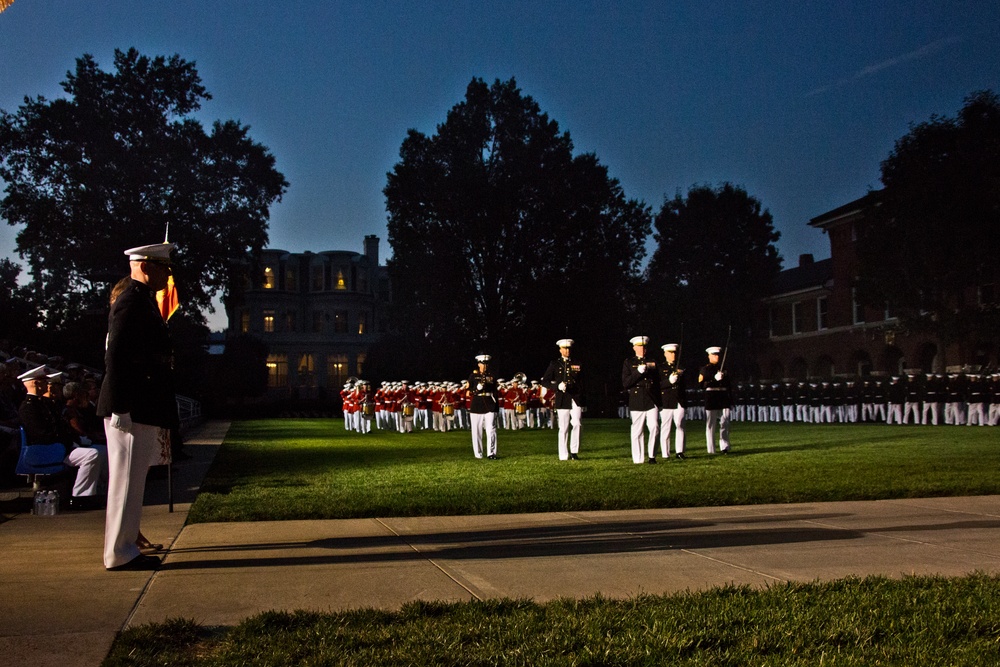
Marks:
<point>60,607</point>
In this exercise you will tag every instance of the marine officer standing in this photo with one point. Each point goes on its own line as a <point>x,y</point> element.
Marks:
<point>563,376</point>
<point>137,401</point>
<point>714,380</point>
<point>642,382</point>
<point>483,409</point>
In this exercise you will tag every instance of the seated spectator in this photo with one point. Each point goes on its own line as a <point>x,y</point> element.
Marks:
<point>43,425</point>
<point>76,415</point>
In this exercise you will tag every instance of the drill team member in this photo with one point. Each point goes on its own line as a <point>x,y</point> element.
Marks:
<point>563,377</point>
<point>641,381</point>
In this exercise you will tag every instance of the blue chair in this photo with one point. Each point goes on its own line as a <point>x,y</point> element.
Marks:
<point>38,460</point>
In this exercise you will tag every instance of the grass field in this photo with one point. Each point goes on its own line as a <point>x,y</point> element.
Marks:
<point>916,621</point>
<point>313,469</point>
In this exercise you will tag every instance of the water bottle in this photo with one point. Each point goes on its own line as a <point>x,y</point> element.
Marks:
<point>54,505</point>
<point>39,505</point>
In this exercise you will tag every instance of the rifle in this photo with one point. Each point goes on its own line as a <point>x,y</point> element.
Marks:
<point>722,366</point>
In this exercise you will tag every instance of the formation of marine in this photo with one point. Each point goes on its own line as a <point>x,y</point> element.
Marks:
<point>406,406</point>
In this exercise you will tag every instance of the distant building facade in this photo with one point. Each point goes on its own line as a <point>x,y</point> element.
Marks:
<point>318,313</point>
<point>812,325</point>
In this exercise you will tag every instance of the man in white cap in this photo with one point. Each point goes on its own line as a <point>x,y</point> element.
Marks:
<point>715,382</point>
<point>137,401</point>
<point>642,382</point>
<point>673,402</point>
<point>483,410</point>
<point>43,425</point>
<point>563,377</point>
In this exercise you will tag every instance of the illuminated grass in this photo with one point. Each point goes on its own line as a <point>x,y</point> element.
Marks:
<point>313,469</point>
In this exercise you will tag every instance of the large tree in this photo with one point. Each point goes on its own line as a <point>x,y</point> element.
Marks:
<point>114,162</point>
<point>932,236</point>
<point>503,240</point>
<point>715,259</point>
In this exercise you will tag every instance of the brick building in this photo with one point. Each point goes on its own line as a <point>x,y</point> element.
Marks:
<point>318,313</point>
<point>814,326</point>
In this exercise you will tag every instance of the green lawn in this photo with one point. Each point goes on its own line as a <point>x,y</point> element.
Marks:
<point>313,469</point>
<point>924,621</point>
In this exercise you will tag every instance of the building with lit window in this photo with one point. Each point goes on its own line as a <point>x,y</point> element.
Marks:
<point>318,313</point>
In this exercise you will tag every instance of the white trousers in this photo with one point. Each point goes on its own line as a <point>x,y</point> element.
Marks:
<point>934,410</point>
<point>129,458</point>
<point>644,419</point>
<point>977,415</point>
<point>484,422</point>
<point>91,465</point>
<point>911,407</point>
<point>717,420</point>
<point>669,418</point>
<point>569,443</point>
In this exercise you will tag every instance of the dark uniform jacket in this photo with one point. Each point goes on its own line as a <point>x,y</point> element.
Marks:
<point>483,400</point>
<point>138,362</point>
<point>568,371</point>
<point>716,391</point>
<point>42,423</point>
<point>643,388</point>
<point>671,395</point>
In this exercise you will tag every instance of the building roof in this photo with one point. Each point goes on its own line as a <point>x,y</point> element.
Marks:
<point>830,218</point>
<point>808,274</point>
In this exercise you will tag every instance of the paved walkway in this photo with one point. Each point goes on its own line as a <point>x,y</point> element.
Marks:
<point>59,606</point>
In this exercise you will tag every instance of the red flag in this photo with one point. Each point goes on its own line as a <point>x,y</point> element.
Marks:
<point>167,299</point>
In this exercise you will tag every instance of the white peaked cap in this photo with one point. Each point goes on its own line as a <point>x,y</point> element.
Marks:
<point>156,252</point>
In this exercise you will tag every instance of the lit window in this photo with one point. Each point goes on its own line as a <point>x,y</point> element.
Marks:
<point>268,321</point>
<point>362,321</point>
<point>336,369</point>
<point>270,280</point>
<point>277,370</point>
<point>341,282</point>
<point>245,322</point>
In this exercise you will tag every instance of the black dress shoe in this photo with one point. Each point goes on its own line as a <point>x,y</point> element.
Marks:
<point>492,457</point>
<point>680,456</point>
<point>651,461</point>
<point>574,457</point>
<point>141,562</point>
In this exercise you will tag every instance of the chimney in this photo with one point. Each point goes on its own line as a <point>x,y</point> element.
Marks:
<point>804,260</point>
<point>371,249</point>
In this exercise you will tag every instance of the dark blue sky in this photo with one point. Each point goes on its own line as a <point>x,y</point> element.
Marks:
<point>796,101</point>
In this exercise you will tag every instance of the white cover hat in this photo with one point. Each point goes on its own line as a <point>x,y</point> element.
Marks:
<point>156,252</point>
<point>713,350</point>
<point>639,340</point>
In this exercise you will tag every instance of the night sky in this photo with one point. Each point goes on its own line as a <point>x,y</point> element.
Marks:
<point>798,102</point>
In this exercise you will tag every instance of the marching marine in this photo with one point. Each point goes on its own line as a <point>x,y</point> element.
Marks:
<point>563,376</point>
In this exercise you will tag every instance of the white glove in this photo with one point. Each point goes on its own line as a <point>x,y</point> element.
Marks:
<point>718,376</point>
<point>562,386</point>
<point>479,387</point>
<point>673,378</point>
<point>122,422</point>
<point>641,368</point>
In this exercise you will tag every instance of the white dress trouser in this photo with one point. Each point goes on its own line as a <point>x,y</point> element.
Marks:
<point>644,419</point>
<point>91,465</point>
<point>129,458</point>
<point>484,422</point>
<point>569,443</point>
<point>717,420</point>
<point>669,418</point>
